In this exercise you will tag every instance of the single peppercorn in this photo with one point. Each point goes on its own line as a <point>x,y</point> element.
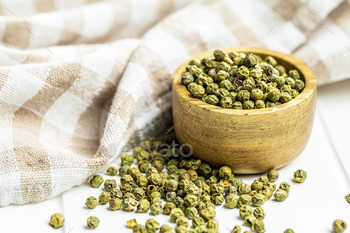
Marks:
<point>175,213</point>
<point>347,198</point>
<point>300,176</point>
<point>115,204</point>
<point>272,175</point>
<point>244,211</point>
<point>231,201</point>
<point>92,222</point>
<point>165,229</point>
<point>259,213</point>
<point>182,221</point>
<point>236,229</point>
<point>104,198</point>
<point>339,226</point>
<point>281,195</point>
<point>244,188</point>
<point>91,202</point>
<point>258,226</point>
<point>285,186</point>
<point>249,220</point>
<point>138,228</point>
<point>112,171</point>
<point>129,204</point>
<point>96,181</point>
<point>110,184</point>
<point>289,231</point>
<point>156,208</point>
<point>152,225</point>
<point>258,199</point>
<point>131,223</point>
<point>57,220</point>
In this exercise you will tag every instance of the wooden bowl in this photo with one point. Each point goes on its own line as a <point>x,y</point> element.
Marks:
<point>249,141</point>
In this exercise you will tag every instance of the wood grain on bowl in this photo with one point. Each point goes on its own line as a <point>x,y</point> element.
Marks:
<point>249,141</point>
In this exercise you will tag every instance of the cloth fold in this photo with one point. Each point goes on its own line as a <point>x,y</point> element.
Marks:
<point>80,81</point>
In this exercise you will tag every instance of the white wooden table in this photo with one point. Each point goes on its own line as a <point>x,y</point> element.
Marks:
<point>311,206</point>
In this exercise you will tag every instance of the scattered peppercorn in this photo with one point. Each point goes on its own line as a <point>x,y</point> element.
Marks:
<point>57,220</point>
<point>92,222</point>
<point>91,202</point>
<point>339,226</point>
<point>300,176</point>
<point>96,181</point>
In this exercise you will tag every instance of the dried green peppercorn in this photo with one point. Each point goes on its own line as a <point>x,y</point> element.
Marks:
<point>272,175</point>
<point>244,188</point>
<point>181,229</point>
<point>217,199</point>
<point>190,200</point>
<point>112,171</point>
<point>156,208</point>
<point>127,159</point>
<point>126,188</point>
<point>165,229</point>
<point>207,214</point>
<point>236,229</point>
<point>266,191</point>
<point>339,226</point>
<point>225,172</point>
<point>258,226</point>
<point>57,220</point>
<point>131,223</point>
<point>182,221</point>
<point>110,184</point>
<point>244,199</point>
<point>347,198</point>
<point>115,204</point>
<point>211,99</point>
<point>129,204</point>
<point>299,85</point>
<point>245,211</point>
<point>92,222</point>
<point>249,220</point>
<point>257,185</point>
<point>171,185</point>
<point>175,213</point>
<point>104,198</point>
<point>285,186</point>
<point>168,207</point>
<point>289,231</point>
<point>258,199</point>
<point>191,212</point>
<point>198,221</point>
<point>91,202</point>
<point>281,195</point>
<point>143,206</point>
<point>187,78</point>
<point>231,201</point>
<point>294,74</point>
<point>138,228</point>
<point>300,176</point>
<point>123,170</point>
<point>213,224</point>
<point>259,213</point>
<point>152,225</point>
<point>96,181</point>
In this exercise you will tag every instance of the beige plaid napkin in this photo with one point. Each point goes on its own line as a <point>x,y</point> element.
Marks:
<point>80,80</point>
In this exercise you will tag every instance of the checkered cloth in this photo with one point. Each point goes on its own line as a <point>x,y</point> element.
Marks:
<point>80,80</point>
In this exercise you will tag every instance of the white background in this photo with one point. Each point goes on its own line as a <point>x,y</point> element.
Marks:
<point>311,206</point>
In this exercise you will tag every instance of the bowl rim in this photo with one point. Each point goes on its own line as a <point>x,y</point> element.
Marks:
<point>309,76</point>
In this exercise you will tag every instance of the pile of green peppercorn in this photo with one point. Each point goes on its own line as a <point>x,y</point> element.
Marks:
<point>241,81</point>
<point>191,190</point>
